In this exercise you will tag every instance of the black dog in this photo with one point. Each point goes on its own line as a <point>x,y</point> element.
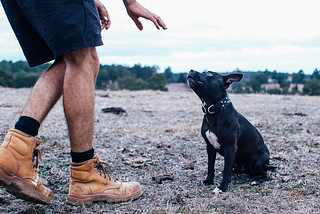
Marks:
<point>226,131</point>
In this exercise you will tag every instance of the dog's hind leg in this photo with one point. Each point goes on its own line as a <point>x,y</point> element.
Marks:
<point>259,168</point>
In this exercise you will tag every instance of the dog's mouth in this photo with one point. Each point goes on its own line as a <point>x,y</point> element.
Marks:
<point>191,80</point>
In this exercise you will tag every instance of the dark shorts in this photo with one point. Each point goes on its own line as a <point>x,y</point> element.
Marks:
<point>47,29</point>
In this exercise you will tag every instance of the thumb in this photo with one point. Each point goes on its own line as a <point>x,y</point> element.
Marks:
<point>138,24</point>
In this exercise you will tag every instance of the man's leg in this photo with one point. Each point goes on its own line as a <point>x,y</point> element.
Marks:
<point>78,96</point>
<point>46,92</point>
<point>18,150</point>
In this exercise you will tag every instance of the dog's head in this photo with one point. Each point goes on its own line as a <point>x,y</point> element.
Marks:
<point>211,86</point>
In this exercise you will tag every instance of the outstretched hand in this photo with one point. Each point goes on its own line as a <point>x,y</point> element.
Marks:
<point>136,10</point>
<point>104,15</point>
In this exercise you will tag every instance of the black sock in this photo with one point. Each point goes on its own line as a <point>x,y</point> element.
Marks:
<point>28,125</point>
<point>82,156</point>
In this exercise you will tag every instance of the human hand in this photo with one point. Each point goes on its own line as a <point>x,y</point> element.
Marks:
<point>104,15</point>
<point>135,11</point>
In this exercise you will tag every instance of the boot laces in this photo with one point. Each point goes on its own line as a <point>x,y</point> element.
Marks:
<point>104,169</point>
<point>36,156</point>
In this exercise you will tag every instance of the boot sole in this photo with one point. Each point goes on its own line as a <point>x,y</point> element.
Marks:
<point>89,199</point>
<point>20,188</point>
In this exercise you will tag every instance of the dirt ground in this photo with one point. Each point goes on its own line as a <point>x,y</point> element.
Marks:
<point>160,135</point>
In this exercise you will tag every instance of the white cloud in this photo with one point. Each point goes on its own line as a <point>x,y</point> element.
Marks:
<point>209,34</point>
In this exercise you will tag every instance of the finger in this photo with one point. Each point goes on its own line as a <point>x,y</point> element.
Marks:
<point>108,24</point>
<point>161,23</point>
<point>138,24</point>
<point>104,17</point>
<point>108,20</point>
<point>103,25</point>
<point>158,22</point>
<point>155,22</point>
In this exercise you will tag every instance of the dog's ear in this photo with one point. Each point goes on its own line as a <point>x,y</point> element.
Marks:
<point>235,77</point>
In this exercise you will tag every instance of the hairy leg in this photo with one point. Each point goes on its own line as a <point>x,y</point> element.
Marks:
<point>78,96</point>
<point>46,92</point>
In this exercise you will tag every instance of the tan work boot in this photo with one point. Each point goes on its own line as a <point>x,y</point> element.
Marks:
<point>18,160</point>
<point>90,183</point>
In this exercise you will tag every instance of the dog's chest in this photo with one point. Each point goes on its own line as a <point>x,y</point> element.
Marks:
<point>213,139</point>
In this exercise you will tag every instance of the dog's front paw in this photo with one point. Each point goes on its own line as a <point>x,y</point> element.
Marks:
<point>217,191</point>
<point>208,182</point>
<point>223,188</point>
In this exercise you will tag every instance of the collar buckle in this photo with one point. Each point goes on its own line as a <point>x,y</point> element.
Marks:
<point>210,112</point>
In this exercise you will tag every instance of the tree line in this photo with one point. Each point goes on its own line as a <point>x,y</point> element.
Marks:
<point>253,82</point>
<point>19,74</point>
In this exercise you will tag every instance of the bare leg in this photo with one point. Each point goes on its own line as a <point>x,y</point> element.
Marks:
<point>78,96</point>
<point>46,92</point>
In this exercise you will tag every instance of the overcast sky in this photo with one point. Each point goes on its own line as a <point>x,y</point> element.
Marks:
<point>224,35</point>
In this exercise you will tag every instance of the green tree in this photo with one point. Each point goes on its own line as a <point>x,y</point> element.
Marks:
<point>168,74</point>
<point>102,79</point>
<point>132,84</point>
<point>6,79</point>
<point>238,87</point>
<point>182,78</point>
<point>15,67</point>
<point>116,71</point>
<point>298,77</point>
<point>262,78</point>
<point>157,82</point>
<point>256,80</point>
<point>315,74</point>
<point>254,85</point>
<point>274,91</point>
<point>312,87</point>
<point>26,80</point>
<point>282,80</point>
<point>143,72</point>
<point>274,75</point>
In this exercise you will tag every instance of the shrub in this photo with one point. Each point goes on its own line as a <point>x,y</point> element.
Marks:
<point>6,79</point>
<point>157,82</point>
<point>132,84</point>
<point>26,80</point>
<point>274,91</point>
<point>312,87</point>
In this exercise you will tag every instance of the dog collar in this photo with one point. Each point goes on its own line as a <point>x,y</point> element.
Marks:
<point>218,107</point>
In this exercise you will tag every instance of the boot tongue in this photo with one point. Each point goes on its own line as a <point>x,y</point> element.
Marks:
<point>103,168</point>
<point>97,157</point>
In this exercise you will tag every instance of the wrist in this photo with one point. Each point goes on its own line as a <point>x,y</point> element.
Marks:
<point>128,2</point>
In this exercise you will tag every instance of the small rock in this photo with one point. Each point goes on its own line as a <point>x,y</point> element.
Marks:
<point>161,178</point>
<point>189,165</point>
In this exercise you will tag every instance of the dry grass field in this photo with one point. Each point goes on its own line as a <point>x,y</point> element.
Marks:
<point>160,135</point>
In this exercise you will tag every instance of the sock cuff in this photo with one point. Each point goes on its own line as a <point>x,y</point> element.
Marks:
<point>28,125</point>
<point>81,156</point>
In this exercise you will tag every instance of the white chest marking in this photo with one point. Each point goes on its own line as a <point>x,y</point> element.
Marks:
<point>213,139</point>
